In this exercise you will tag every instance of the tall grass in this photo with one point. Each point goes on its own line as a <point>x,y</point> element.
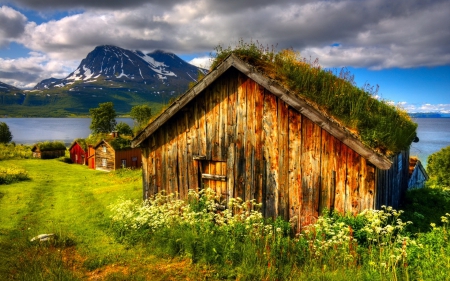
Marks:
<point>241,244</point>
<point>380,125</point>
<point>13,151</point>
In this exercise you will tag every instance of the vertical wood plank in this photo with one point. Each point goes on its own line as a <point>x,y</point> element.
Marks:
<point>209,119</point>
<point>158,160</point>
<point>326,170</point>
<point>192,148</point>
<point>145,173</point>
<point>223,138</point>
<point>353,170</point>
<point>241,124</point>
<point>283,159</point>
<point>182,153</point>
<point>295,170</point>
<point>270,128</point>
<point>259,140</point>
<point>201,117</point>
<point>230,171</point>
<point>249,138</point>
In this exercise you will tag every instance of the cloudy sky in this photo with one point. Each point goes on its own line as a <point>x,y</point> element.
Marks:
<point>401,45</point>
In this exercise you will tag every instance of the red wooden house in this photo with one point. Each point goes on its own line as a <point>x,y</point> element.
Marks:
<point>79,152</point>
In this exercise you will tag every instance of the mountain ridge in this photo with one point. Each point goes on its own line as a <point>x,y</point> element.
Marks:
<point>108,73</point>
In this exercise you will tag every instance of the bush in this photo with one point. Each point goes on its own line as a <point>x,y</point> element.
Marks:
<point>11,175</point>
<point>13,151</point>
<point>51,145</point>
<point>438,168</point>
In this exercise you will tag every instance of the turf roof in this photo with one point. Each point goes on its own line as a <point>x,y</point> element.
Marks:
<point>380,125</point>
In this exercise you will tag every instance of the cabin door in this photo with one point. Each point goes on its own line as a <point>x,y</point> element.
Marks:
<point>213,175</point>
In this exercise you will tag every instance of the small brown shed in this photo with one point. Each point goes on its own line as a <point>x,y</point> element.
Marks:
<point>42,151</point>
<point>242,134</point>
<point>110,158</point>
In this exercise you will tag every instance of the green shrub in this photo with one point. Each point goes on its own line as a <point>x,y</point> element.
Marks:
<point>12,174</point>
<point>51,145</point>
<point>13,151</point>
<point>438,168</point>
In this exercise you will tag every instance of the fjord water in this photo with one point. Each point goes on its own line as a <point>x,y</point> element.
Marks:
<point>32,130</point>
<point>434,133</point>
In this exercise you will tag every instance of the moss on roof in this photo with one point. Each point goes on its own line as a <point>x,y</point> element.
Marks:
<point>118,143</point>
<point>380,125</point>
<point>49,146</point>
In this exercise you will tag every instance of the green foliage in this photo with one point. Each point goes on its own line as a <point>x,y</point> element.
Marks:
<point>438,168</point>
<point>50,145</point>
<point>103,118</point>
<point>5,133</point>
<point>380,125</point>
<point>13,151</point>
<point>124,129</point>
<point>425,206</point>
<point>120,143</point>
<point>141,114</point>
<point>12,174</point>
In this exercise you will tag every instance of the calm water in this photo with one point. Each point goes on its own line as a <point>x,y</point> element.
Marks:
<point>31,130</point>
<point>434,133</point>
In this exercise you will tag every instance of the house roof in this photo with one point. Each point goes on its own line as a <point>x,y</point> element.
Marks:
<point>414,163</point>
<point>302,105</point>
<point>81,142</point>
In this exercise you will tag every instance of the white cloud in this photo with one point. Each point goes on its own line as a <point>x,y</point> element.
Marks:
<point>374,34</point>
<point>417,108</point>
<point>203,62</point>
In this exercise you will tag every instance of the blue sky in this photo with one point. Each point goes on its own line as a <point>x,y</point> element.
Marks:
<point>402,46</point>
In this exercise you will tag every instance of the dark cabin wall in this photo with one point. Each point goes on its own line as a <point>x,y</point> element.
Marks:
<point>392,184</point>
<point>267,150</point>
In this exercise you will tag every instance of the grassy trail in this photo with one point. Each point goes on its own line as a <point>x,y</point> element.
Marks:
<point>72,202</point>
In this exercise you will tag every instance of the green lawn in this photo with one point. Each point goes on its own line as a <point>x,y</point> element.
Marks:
<point>72,201</point>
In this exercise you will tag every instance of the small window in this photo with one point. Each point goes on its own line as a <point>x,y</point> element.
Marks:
<point>104,148</point>
<point>103,162</point>
<point>124,163</point>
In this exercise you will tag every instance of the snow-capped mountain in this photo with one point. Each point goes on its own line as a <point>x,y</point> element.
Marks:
<point>5,88</point>
<point>111,67</point>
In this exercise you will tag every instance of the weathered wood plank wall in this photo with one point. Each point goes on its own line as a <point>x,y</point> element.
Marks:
<point>267,150</point>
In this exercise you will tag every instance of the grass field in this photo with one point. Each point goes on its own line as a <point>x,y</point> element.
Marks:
<point>72,201</point>
<point>75,202</point>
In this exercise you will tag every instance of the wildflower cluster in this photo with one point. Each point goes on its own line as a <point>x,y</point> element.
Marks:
<point>202,208</point>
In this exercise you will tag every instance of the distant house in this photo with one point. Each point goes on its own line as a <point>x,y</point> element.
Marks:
<point>242,134</point>
<point>79,152</point>
<point>417,174</point>
<point>109,156</point>
<point>48,150</point>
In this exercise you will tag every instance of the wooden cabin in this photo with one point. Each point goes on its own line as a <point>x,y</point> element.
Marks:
<point>91,157</point>
<point>242,134</point>
<point>109,158</point>
<point>42,153</point>
<point>417,174</point>
<point>79,152</point>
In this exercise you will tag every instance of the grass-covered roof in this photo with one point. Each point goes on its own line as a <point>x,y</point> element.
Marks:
<point>49,146</point>
<point>380,125</point>
<point>118,143</point>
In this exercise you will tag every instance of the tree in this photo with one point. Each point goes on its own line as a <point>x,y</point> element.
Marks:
<point>5,133</point>
<point>103,118</point>
<point>124,129</point>
<point>141,114</point>
<point>438,167</point>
